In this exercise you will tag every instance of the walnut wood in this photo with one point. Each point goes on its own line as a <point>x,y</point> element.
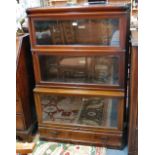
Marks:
<point>80,92</point>
<point>133,120</point>
<point>79,8</point>
<point>20,123</point>
<point>81,134</point>
<point>107,139</point>
<point>24,84</point>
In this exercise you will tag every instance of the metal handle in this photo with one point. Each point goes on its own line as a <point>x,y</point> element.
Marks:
<point>55,133</point>
<point>104,139</point>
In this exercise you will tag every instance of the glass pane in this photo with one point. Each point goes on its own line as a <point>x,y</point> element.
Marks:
<point>77,69</point>
<point>91,111</point>
<point>77,32</point>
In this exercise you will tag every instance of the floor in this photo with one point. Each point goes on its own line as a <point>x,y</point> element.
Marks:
<point>117,152</point>
<point>109,151</point>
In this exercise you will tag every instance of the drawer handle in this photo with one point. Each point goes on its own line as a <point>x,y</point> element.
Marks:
<point>104,139</point>
<point>55,133</point>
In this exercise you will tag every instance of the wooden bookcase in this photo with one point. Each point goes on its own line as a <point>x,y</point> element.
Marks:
<point>80,63</point>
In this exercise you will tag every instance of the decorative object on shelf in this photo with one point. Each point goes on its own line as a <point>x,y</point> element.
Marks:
<point>134,4</point>
<point>72,2</point>
<point>134,15</point>
<point>55,2</point>
<point>21,18</point>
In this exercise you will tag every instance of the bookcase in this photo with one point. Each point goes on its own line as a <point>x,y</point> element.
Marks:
<point>80,62</point>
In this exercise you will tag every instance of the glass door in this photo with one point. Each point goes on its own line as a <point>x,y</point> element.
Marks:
<point>88,31</point>
<point>90,111</point>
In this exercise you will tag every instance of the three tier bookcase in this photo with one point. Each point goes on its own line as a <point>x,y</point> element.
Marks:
<point>80,63</point>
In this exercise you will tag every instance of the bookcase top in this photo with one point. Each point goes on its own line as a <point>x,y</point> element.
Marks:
<point>80,8</point>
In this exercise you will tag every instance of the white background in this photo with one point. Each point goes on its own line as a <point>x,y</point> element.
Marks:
<point>146,77</point>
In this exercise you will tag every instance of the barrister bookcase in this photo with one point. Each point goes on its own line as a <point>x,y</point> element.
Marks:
<point>80,63</point>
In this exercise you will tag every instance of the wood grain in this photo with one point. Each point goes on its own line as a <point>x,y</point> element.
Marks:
<point>24,85</point>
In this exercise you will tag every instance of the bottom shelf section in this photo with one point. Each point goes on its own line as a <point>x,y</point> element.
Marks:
<point>81,116</point>
<point>110,140</point>
<point>80,108</point>
<point>92,111</point>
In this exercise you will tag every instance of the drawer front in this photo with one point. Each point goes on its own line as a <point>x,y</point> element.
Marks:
<point>89,138</point>
<point>20,124</point>
<point>98,69</point>
<point>85,110</point>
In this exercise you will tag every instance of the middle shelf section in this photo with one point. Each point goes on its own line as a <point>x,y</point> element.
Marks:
<point>87,69</point>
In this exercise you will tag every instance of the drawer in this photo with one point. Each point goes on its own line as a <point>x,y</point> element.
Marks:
<point>93,70</point>
<point>72,107</point>
<point>81,137</point>
<point>20,124</point>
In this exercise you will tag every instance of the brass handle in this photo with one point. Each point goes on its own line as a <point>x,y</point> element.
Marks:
<point>55,133</point>
<point>104,139</point>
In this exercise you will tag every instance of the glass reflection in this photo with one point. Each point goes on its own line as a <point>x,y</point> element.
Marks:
<point>91,111</point>
<point>88,69</point>
<point>77,32</point>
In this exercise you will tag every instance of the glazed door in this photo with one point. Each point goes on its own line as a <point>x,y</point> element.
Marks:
<point>84,109</point>
<point>72,69</point>
<point>103,32</point>
<point>94,30</point>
